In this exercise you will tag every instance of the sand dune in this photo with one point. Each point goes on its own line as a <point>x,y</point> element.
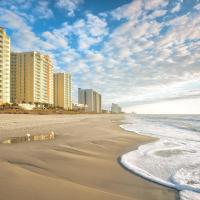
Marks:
<point>80,164</point>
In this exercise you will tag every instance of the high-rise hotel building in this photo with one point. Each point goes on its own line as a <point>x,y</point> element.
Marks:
<point>63,90</point>
<point>31,78</point>
<point>4,67</point>
<point>90,98</point>
<point>115,108</point>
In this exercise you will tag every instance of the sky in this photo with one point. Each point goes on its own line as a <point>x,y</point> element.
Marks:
<point>142,54</point>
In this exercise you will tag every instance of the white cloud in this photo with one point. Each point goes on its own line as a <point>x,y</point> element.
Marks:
<point>186,27</point>
<point>146,59</point>
<point>197,7</point>
<point>9,19</point>
<point>30,10</point>
<point>22,37</point>
<point>57,40</point>
<point>89,31</point>
<point>69,56</point>
<point>158,13</point>
<point>154,4</point>
<point>42,10</point>
<point>96,26</point>
<point>85,41</point>
<point>69,5</point>
<point>177,8</point>
<point>131,10</point>
<point>14,5</point>
<point>94,57</point>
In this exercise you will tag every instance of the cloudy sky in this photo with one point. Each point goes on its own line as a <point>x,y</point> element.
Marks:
<point>142,54</point>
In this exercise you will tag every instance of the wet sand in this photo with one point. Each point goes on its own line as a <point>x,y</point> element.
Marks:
<point>80,164</point>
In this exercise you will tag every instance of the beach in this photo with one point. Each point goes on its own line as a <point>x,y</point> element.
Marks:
<point>81,163</point>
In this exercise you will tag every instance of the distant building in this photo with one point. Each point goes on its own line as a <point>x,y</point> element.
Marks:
<point>4,67</point>
<point>79,107</point>
<point>31,78</point>
<point>63,90</point>
<point>115,108</point>
<point>90,98</point>
<point>105,111</point>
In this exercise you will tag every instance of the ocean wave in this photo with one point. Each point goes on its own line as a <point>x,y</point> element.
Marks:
<point>173,160</point>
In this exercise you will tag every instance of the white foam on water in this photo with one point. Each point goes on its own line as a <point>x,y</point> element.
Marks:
<point>185,195</point>
<point>173,160</point>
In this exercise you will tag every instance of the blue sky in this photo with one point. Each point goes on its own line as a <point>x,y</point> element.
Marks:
<point>142,54</point>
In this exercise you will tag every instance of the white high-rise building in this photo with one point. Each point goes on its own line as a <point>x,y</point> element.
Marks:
<point>90,98</point>
<point>115,108</point>
<point>4,67</point>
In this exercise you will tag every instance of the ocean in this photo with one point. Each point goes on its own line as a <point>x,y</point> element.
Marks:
<point>174,159</point>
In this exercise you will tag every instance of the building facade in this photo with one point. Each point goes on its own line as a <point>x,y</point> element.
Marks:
<point>115,108</point>
<point>31,78</point>
<point>90,98</point>
<point>63,90</point>
<point>4,67</point>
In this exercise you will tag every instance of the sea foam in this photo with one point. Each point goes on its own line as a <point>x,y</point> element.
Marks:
<point>173,160</point>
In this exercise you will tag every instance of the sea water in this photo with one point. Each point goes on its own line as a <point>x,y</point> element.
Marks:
<point>174,159</point>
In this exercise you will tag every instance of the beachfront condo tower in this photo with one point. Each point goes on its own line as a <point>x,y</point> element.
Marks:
<point>90,98</point>
<point>4,67</point>
<point>63,90</point>
<point>115,108</point>
<point>31,78</point>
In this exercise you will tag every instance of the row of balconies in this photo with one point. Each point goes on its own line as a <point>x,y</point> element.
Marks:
<point>4,45</point>
<point>44,70</point>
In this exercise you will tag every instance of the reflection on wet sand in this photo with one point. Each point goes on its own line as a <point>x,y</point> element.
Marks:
<point>28,138</point>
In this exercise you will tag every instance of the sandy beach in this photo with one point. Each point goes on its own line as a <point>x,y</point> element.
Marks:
<point>80,164</point>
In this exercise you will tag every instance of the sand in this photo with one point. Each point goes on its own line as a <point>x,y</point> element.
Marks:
<point>80,164</point>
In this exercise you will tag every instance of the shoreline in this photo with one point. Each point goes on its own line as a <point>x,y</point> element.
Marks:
<point>81,163</point>
<point>135,147</point>
<point>163,161</point>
